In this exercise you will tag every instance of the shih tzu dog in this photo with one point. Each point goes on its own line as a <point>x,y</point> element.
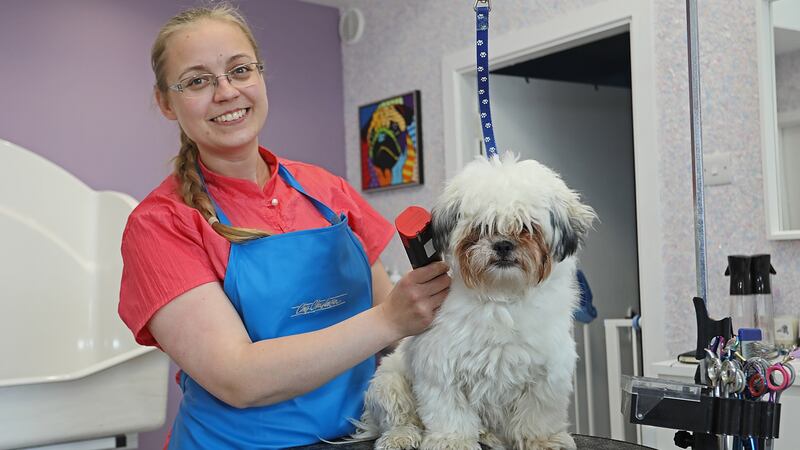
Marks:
<point>496,365</point>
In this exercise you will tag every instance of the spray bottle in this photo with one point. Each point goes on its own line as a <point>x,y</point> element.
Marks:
<point>760,270</point>
<point>742,301</point>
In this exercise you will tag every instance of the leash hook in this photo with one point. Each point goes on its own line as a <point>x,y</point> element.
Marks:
<point>487,2</point>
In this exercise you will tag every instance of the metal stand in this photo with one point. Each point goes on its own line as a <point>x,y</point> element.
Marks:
<point>697,150</point>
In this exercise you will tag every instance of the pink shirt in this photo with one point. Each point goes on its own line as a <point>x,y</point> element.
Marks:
<point>168,248</point>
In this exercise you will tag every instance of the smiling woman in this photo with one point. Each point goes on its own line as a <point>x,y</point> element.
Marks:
<point>222,260</point>
<point>222,118</point>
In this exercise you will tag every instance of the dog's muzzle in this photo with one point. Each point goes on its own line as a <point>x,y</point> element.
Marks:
<point>504,250</point>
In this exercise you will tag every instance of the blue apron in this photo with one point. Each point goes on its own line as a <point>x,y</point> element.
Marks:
<point>283,285</point>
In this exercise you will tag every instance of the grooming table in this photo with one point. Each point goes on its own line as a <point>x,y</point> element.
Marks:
<point>583,443</point>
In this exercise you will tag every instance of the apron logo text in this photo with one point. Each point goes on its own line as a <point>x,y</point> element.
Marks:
<point>318,305</point>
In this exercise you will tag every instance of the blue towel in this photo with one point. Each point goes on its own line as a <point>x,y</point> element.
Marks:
<point>585,312</point>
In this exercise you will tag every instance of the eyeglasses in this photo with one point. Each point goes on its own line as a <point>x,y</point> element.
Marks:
<point>239,77</point>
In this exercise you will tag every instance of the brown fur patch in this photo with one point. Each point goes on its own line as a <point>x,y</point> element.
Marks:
<point>539,253</point>
<point>469,273</point>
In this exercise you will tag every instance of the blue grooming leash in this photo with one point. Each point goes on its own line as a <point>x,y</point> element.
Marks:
<point>482,50</point>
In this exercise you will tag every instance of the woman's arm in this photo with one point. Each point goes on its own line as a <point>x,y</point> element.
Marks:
<point>204,335</point>
<point>381,284</point>
<point>381,289</point>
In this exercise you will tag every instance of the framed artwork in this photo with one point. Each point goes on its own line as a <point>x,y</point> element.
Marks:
<point>391,142</point>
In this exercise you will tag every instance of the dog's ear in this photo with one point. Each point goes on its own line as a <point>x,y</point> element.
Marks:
<point>444,219</point>
<point>571,221</point>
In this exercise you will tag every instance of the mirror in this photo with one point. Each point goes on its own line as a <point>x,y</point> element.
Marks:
<point>779,74</point>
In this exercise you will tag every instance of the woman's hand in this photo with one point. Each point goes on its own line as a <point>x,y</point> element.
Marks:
<point>414,300</point>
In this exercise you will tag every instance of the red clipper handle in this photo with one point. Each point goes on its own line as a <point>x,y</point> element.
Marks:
<point>414,227</point>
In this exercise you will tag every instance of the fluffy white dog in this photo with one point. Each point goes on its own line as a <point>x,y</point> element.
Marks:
<point>496,365</point>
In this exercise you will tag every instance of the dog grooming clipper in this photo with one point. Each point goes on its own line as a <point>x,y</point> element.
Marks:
<point>414,227</point>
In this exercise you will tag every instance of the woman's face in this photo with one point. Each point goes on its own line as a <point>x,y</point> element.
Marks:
<point>223,120</point>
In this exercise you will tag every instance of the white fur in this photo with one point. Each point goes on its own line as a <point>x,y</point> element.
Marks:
<point>496,365</point>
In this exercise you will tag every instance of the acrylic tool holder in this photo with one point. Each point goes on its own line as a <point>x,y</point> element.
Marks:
<point>705,418</point>
<point>701,416</point>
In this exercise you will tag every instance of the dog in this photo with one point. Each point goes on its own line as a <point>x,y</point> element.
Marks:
<point>496,365</point>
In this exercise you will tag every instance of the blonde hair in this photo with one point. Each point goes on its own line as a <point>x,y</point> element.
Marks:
<point>186,167</point>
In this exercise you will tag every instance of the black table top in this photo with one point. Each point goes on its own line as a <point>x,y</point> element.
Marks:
<point>583,443</point>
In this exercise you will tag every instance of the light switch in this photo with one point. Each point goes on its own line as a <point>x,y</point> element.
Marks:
<point>716,169</point>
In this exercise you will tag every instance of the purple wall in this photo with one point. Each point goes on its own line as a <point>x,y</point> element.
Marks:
<point>77,90</point>
<point>77,86</point>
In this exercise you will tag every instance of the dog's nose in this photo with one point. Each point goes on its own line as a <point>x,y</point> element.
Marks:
<point>503,248</point>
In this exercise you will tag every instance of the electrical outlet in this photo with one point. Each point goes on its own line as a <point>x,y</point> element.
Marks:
<point>716,169</point>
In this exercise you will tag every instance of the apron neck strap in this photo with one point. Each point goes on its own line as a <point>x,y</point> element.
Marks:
<point>323,209</point>
<point>223,219</point>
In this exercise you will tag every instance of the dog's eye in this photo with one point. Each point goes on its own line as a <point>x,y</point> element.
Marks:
<point>526,229</point>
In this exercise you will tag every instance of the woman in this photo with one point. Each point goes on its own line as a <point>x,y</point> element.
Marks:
<point>259,276</point>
